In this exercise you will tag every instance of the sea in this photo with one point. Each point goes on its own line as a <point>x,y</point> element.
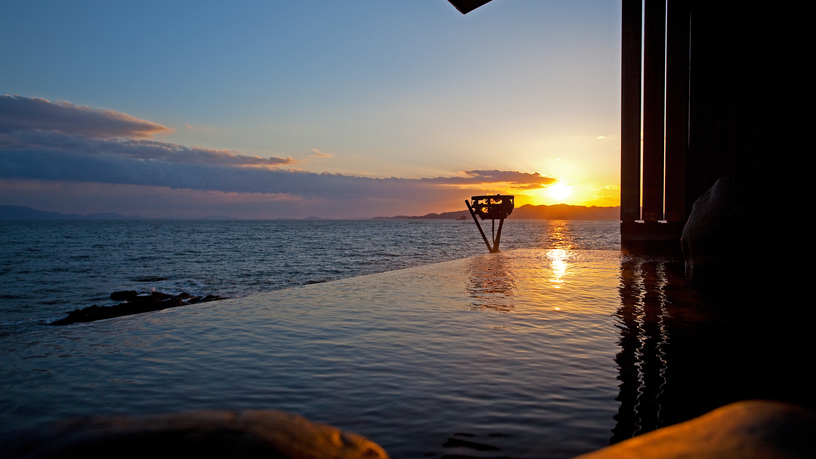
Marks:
<point>405,331</point>
<point>49,267</point>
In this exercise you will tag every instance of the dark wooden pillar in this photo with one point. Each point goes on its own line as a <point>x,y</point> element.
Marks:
<point>677,107</point>
<point>654,77</point>
<point>630,110</point>
<point>663,212</point>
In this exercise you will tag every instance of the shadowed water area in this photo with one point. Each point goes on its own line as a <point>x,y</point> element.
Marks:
<point>539,352</point>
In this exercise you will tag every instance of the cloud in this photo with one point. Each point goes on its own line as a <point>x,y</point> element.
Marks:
<point>45,129</point>
<point>43,142</point>
<point>62,142</point>
<point>27,114</point>
<point>514,179</point>
<point>320,154</point>
<point>222,175</point>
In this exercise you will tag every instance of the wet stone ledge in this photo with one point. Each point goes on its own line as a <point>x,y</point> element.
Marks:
<point>132,302</point>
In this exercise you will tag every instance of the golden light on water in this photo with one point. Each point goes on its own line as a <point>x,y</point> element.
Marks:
<point>558,264</point>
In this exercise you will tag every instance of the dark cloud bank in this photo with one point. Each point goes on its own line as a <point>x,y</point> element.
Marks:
<point>42,140</point>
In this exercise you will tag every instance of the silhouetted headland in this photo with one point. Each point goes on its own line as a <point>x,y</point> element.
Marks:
<point>529,212</point>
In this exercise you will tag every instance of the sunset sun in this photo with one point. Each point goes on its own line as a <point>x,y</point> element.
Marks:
<point>560,191</point>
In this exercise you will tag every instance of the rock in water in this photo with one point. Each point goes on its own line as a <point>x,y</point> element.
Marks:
<point>124,295</point>
<point>133,304</point>
<point>202,434</point>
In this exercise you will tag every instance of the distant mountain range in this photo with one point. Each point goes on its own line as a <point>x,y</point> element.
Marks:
<point>27,213</point>
<point>531,212</point>
<point>527,211</point>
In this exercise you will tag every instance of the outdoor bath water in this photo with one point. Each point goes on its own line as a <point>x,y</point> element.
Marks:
<point>555,347</point>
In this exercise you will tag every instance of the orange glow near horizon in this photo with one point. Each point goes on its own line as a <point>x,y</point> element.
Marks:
<point>576,193</point>
<point>571,191</point>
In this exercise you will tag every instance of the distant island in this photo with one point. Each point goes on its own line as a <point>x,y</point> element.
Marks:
<point>27,213</point>
<point>530,212</point>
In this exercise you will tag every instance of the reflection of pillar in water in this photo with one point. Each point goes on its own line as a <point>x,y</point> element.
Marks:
<point>644,338</point>
<point>491,284</point>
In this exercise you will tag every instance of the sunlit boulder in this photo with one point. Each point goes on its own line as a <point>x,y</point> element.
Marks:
<point>202,434</point>
<point>743,430</point>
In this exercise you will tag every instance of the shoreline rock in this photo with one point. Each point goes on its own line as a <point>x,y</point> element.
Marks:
<point>131,302</point>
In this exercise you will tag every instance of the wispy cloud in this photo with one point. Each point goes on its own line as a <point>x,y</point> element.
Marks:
<point>47,130</point>
<point>47,142</point>
<point>514,179</point>
<point>320,154</point>
<point>29,114</point>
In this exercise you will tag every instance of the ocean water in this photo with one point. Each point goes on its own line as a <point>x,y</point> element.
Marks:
<point>510,351</point>
<point>50,267</point>
<point>403,331</point>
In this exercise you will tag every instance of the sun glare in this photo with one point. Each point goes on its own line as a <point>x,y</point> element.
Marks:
<point>560,191</point>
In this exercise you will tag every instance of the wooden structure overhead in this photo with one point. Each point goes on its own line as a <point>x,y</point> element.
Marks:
<point>466,6</point>
<point>715,100</point>
<point>710,102</point>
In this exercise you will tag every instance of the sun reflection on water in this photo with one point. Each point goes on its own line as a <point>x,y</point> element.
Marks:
<point>558,265</point>
<point>559,235</point>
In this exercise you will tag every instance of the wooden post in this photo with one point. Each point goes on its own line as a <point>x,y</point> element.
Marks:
<point>481,231</point>
<point>630,109</point>
<point>677,107</point>
<point>654,61</point>
<point>498,236</point>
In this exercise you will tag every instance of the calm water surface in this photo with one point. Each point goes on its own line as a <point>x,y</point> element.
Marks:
<point>50,267</point>
<point>555,347</point>
<point>514,351</point>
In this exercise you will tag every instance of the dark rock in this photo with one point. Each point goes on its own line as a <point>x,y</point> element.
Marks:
<point>124,295</point>
<point>206,299</point>
<point>731,228</point>
<point>209,298</point>
<point>202,434</point>
<point>133,303</point>
<point>459,443</point>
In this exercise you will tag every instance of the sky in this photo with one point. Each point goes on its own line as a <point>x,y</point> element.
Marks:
<point>297,108</point>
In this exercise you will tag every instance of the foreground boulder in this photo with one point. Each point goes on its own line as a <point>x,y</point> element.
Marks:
<point>732,227</point>
<point>202,434</point>
<point>743,430</point>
